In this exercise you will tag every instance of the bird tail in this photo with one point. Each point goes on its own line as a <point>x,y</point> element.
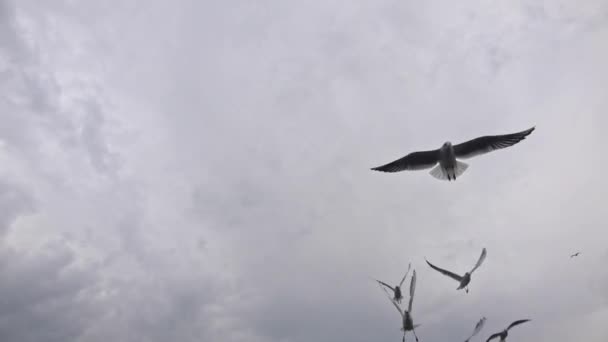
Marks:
<point>460,168</point>
<point>439,173</point>
<point>442,174</point>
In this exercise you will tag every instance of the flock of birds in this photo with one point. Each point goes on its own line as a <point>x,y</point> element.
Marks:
<point>446,166</point>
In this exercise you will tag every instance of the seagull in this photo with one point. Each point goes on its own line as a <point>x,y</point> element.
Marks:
<point>449,168</point>
<point>397,297</point>
<point>406,315</point>
<point>477,329</point>
<point>503,334</point>
<point>463,280</point>
<point>575,254</point>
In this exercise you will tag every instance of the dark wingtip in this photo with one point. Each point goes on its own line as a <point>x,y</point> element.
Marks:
<point>380,169</point>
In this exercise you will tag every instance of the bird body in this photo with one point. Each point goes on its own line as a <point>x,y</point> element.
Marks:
<point>447,158</point>
<point>398,295</point>
<point>466,279</point>
<point>449,167</point>
<point>408,321</point>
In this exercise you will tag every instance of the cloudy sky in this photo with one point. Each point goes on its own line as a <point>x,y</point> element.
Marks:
<point>199,170</point>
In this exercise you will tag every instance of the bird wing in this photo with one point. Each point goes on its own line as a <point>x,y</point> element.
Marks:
<point>489,143</point>
<point>492,337</point>
<point>388,296</point>
<point>385,284</point>
<point>413,161</point>
<point>412,290</point>
<point>408,271</point>
<point>517,322</point>
<point>397,307</point>
<point>482,257</point>
<point>478,328</point>
<point>445,272</point>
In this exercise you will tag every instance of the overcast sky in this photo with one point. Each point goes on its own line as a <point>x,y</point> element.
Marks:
<point>200,170</point>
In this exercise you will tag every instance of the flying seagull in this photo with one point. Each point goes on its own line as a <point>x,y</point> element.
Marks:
<point>503,334</point>
<point>466,278</point>
<point>397,297</point>
<point>575,254</point>
<point>407,321</point>
<point>477,329</point>
<point>449,168</point>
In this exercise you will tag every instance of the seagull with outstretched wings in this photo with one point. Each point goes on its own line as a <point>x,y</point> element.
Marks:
<point>466,278</point>
<point>397,296</point>
<point>503,334</point>
<point>477,329</point>
<point>449,167</point>
<point>575,255</point>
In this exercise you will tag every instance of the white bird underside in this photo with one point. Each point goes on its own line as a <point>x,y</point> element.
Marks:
<point>422,160</point>
<point>441,173</point>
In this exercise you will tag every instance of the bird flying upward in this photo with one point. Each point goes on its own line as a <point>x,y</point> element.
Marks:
<point>466,278</point>
<point>503,334</point>
<point>397,296</point>
<point>407,322</point>
<point>575,254</point>
<point>449,167</point>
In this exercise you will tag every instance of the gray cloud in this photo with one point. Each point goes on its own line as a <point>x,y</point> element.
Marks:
<point>14,201</point>
<point>44,297</point>
<point>195,171</point>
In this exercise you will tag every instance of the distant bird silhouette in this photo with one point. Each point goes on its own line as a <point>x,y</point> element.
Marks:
<point>449,167</point>
<point>503,334</point>
<point>466,278</point>
<point>397,297</point>
<point>477,329</point>
<point>575,254</point>
<point>407,321</point>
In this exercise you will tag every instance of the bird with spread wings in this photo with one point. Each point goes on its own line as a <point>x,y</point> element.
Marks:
<point>465,279</point>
